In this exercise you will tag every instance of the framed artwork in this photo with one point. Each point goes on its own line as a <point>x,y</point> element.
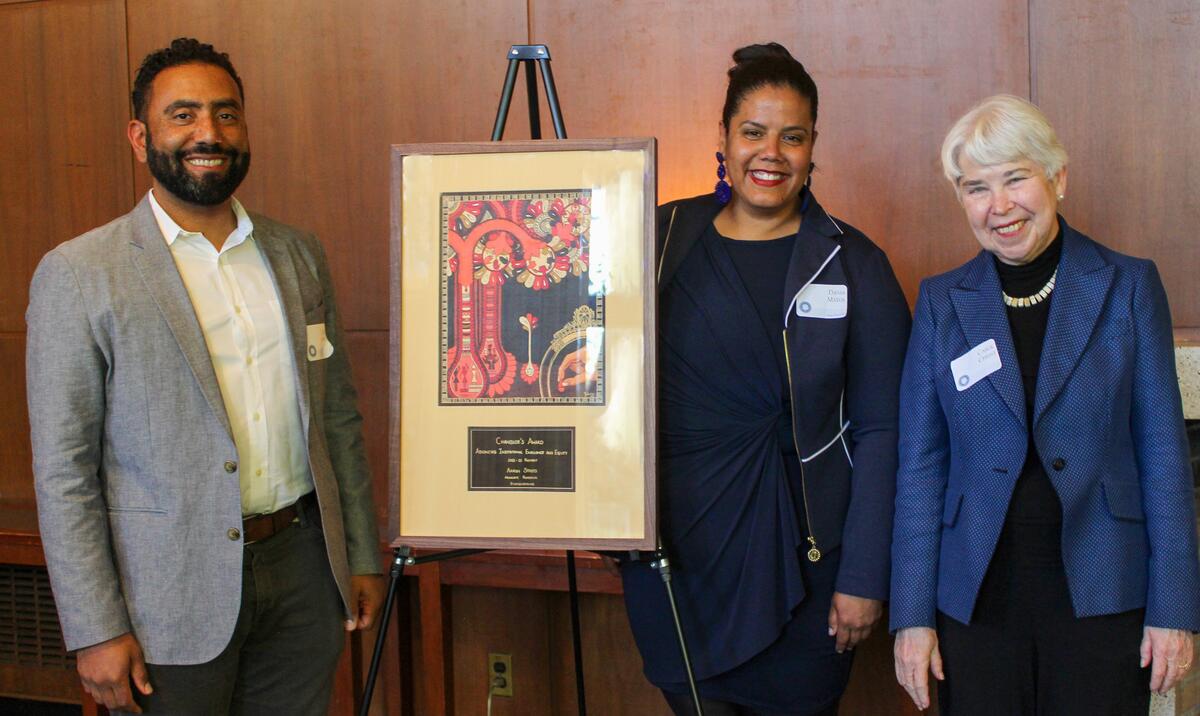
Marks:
<point>522,345</point>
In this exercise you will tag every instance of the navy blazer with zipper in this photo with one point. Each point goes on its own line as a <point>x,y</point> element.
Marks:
<point>1107,423</point>
<point>841,370</point>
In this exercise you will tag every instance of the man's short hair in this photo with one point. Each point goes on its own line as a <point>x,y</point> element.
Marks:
<point>182,51</point>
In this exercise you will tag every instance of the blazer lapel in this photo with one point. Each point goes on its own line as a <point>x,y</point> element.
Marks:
<point>815,244</point>
<point>684,229</point>
<point>980,311</point>
<point>153,260</point>
<point>1080,291</point>
<point>282,267</point>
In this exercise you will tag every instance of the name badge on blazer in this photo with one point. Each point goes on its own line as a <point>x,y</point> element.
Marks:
<point>822,300</point>
<point>975,365</point>
<point>319,347</point>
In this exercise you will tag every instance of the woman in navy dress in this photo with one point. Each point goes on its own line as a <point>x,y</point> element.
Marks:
<point>782,332</point>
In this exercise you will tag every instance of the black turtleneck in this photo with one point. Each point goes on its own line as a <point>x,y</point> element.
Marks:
<point>1035,513</point>
<point>1028,323</point>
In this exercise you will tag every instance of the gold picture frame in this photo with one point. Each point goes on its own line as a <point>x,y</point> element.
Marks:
<point>522,406</point>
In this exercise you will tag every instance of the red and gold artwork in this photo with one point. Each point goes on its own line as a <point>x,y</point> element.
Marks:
<point>522,321</point>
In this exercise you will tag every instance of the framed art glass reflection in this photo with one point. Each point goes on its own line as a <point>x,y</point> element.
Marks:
<point>522,351</point>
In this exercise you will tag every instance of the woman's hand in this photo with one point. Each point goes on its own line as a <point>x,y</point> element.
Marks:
<point>1170,651</point>
<point>851,619</point>
<point>916,656</point>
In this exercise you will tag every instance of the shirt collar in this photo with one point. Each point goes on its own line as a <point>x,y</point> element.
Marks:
<point>171,230</point>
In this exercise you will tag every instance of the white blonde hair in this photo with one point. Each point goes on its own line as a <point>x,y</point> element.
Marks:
<point>1002,128</point>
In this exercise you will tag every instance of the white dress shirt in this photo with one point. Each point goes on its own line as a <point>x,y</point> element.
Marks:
<point>240,314</point>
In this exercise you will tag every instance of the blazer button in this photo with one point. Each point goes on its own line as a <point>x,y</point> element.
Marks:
<point>234,534</point>
<point>230,466</point>
<point>1058,463</point>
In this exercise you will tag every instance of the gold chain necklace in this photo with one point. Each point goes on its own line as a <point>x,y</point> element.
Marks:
<point>1035,299</point>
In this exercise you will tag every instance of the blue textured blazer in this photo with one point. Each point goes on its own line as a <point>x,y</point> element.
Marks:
<point>1107,422</point>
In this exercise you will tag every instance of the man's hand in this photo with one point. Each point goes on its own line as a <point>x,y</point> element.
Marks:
<point>851,619</point>
<point>1170,651</point>
<point>106,669</point>
<point>917,655</point>
<point>366,597</point>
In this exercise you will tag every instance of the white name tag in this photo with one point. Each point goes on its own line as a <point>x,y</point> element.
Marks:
<point>975,365</point>
<point>319,347</point>
<point>822,300</point>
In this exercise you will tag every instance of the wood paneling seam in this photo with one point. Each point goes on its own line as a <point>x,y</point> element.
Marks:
<point>1032,51</point>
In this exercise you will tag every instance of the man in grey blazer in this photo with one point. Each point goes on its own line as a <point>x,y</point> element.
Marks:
<point>203,492</point>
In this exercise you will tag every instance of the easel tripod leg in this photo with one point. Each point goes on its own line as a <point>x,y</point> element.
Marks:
<point>400,557</point>
<point>663,565</point>
<point>510,82</point>
<point>535,117</point>
<point>576,633</point>
<point>560,129</point>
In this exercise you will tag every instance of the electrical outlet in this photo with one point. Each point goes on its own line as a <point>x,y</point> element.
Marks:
<point>500,674</point>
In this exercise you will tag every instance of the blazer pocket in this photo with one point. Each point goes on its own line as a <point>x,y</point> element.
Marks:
<point>951,508</point>
<point>137,510</point>
<point>316,314</point>
<point>1124,500</point>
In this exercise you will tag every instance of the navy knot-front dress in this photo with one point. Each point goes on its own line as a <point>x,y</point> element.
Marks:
<point>754,610</point>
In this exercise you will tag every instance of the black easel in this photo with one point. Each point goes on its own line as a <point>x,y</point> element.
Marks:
<point>528,55</point>
<point>403,556</point>
<point>659,561</point>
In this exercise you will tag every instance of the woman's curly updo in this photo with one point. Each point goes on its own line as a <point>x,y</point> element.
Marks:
<point>769,65</point>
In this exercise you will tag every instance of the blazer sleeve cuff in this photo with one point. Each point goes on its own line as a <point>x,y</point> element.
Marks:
<point>901,619</point>
<point>80,638</point>
<point>366,564</point>
<point>857,584</point>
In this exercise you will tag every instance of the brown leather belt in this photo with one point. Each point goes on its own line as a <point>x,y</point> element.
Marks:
<point>260,527</point>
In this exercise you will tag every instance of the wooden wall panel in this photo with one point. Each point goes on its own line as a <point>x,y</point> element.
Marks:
<point>16,454</point>
<point>1118,79</point>
<point>535,628</point>
<point>329,86</point>
<point>508,621</point>
<point>368,361</point>
<point>892,78</point>
<point>65,167</point>
<point>612,668</point>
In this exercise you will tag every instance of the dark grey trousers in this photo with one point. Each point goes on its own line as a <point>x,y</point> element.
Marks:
<point>285,646</point>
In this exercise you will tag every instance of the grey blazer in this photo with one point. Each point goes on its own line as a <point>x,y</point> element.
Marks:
<point>133,458</point>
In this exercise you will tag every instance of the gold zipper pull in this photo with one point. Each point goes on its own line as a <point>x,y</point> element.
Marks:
<point>814,554</point>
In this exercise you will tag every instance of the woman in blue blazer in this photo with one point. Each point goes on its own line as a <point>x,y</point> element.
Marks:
<point>1044,552</point>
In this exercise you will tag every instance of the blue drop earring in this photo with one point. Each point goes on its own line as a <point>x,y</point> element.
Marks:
<point>724,191</point>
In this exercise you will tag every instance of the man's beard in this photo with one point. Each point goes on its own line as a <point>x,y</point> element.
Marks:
<point>211,189</point>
